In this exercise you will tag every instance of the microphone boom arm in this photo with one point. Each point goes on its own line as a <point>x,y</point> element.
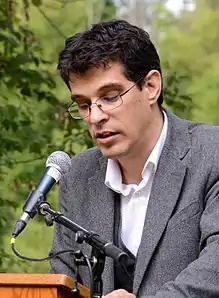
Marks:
<point>100,248</point>
<point>91,238</point>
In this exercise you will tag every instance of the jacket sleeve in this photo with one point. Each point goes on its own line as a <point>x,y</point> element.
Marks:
<point>63,239</point>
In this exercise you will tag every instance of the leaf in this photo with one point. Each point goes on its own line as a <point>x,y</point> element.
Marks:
<point>9,39</point>
<point>26,90</point>
<point>35,147</point>
<point>37,2</point>
<point>20,59</point>
<point>26,4</point>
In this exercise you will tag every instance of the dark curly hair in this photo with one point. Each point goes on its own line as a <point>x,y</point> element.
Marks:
<point>105,42</point>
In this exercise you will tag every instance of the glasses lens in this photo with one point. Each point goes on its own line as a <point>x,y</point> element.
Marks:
<point>75,113</point>
<point>105,104</point>
<point>109,103</point>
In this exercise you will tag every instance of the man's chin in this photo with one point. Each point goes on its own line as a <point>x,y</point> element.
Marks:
<point>112,153</point>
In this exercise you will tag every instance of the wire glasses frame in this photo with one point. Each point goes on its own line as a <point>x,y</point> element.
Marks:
<point>103,103</point>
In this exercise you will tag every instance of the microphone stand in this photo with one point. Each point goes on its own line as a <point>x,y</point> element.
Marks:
<point>100,248</point>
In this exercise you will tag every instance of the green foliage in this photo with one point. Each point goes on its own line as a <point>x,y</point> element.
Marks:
<point>109,10</point>
<point>189,48</point>
<point>175,93</point>
<point>33,115</point>
<point>22,84</point>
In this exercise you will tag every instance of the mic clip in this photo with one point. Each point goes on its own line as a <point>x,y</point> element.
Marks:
<point>48,218</point>
<point>34,199</point>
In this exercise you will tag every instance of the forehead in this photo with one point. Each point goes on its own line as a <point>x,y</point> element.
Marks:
<point>95,78</point>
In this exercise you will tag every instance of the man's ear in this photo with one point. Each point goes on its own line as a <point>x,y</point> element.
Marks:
<point>153,83</point>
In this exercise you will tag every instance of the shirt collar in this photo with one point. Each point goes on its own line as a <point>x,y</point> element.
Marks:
<point>113,178</point>
<point>156,152</point>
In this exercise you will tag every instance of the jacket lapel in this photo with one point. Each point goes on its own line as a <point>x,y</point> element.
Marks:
<point>164,194</point>
<point>102,213</point>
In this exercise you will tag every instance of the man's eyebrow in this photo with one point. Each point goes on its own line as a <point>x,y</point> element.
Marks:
<point>103,88</point>
<point>117,86</point>
<point>74,96</point>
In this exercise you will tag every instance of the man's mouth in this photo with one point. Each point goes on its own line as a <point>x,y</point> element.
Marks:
<point>105,135</point>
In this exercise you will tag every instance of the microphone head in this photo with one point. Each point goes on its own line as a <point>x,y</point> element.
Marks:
<point>59,160</point>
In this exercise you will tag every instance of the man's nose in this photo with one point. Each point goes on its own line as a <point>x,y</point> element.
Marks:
<point>97,115</point>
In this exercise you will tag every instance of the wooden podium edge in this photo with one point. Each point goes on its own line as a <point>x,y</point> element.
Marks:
<point>43,280</point>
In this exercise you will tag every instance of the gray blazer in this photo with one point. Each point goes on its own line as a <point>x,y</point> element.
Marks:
<point>179,251</point>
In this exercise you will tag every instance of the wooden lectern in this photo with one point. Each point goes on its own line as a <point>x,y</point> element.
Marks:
<point>38,286</point>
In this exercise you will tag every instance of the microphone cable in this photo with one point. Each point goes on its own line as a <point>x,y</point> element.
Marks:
<point>54,255</point>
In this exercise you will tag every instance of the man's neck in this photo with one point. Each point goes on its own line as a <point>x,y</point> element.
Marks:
<point>131,166</point>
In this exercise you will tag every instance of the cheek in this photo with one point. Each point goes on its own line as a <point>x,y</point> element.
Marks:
<point>136,120</point>
<point>136,112</point>
<point>89,127</point>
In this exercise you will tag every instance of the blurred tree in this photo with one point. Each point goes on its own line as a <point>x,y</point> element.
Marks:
<point>190,49</point>
<point>141,13</point>
<point>98,10</point>
<point>33,114</point>
<point>23,85</point>
<point>213,4</point>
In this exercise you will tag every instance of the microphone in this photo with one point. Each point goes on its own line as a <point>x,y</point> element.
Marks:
<point>57,164</point>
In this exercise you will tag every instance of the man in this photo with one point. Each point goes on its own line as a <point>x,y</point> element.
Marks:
<point>151,186</point>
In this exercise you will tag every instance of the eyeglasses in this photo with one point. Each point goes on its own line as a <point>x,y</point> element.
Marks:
<point>82,110</point>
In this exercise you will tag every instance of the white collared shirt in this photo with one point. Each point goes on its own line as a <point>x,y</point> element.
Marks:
<point>134,198</point>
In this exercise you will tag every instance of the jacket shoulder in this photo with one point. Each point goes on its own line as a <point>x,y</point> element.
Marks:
<point>86,163</point>
<point>205,134</point>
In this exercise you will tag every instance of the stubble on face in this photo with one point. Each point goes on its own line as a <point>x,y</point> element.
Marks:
<point>132,120</point>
